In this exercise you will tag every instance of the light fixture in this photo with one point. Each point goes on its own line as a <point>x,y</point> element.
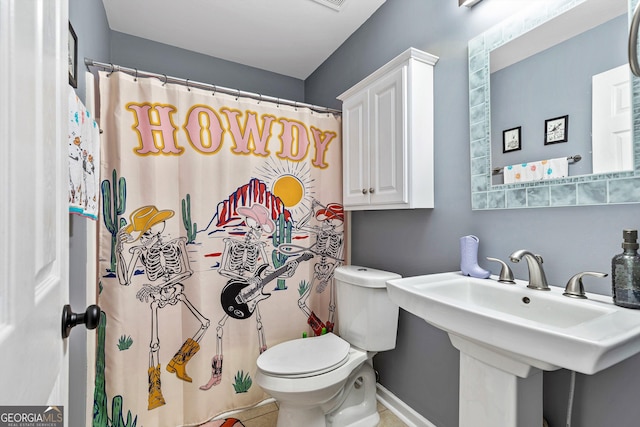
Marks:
<point>333,4</point>
<point>468,3</point>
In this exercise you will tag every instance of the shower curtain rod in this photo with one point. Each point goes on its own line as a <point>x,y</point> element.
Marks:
<point>206,86</point>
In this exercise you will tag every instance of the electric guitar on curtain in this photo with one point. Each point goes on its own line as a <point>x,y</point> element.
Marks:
<point>239,297</point>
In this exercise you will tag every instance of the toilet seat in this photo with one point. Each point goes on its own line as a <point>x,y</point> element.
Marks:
<point>305,357</point>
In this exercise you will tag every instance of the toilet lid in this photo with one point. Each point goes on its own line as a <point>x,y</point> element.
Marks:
<point>305,356</point>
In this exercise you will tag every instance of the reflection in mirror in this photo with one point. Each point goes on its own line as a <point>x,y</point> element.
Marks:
<point>555,72</point>
<point>570,71</point>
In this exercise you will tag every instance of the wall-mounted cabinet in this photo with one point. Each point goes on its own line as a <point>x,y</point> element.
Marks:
<point>387,136</point>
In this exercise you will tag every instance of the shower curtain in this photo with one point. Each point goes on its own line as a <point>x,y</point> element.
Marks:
<point>221,226</point>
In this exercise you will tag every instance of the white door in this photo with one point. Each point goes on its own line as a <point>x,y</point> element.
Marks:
<point>612,138</point>
<point>33,201</point>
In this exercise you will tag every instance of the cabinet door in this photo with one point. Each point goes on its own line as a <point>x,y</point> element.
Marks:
<point>355,127</point>
<point>387,142</point>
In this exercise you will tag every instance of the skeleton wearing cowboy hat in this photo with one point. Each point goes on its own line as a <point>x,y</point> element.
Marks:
<point>328,245</point>
<point>244,261</point>
<point>166,266</point>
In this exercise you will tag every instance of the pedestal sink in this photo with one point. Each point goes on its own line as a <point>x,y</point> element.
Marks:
<point>507,334</point>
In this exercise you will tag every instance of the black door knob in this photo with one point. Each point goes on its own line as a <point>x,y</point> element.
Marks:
<point>90,318</point>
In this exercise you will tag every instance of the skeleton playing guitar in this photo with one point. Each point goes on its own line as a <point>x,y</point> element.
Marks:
<point>239,297</point>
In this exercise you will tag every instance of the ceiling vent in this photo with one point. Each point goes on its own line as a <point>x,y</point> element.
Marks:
<point>333,4</point>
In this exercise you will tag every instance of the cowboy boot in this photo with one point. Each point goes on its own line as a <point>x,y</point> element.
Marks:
<point>315,323</point>
<point>469,258</point>
<point>216,373</point>
<point>155,391</point>
<point>178,364</point>
<point>330,326</point>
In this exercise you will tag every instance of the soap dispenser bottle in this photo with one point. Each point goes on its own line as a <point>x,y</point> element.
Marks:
<point>625,272</point>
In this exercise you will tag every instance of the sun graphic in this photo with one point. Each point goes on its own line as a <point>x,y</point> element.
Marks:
<point>291,182</point>
<point>289,189</point>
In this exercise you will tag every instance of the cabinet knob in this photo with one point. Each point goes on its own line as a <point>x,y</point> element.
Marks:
<point>371,190</point>
<point>364,191</point>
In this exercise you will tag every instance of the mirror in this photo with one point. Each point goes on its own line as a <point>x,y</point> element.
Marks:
<point>509,128</point>
<point>562,69</point>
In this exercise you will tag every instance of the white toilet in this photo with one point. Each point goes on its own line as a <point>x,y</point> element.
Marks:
<point>329,380</point>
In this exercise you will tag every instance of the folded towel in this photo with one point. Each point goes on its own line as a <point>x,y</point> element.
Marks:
<point>555,168</point>
<point>536,171</point>
<point>531,171</point>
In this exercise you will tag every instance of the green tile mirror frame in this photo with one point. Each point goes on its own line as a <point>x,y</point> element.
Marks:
<point>581,190</point>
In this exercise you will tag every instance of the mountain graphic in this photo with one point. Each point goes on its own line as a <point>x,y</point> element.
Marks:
<point>255,191</point>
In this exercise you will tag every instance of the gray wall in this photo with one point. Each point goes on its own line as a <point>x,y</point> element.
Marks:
<point>423,369</point>
<point>136,52</point>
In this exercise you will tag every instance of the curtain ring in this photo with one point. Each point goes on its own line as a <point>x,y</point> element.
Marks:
<point>295,105</point>
<point>260,100</point>
<point>214,90</point>
<point>238,94</point>
<point>328,112</point>
<point>278,103</point>
<point>165,80</point>
<point>112,70</point>
<point>135,77</point>
<point>187,83</point>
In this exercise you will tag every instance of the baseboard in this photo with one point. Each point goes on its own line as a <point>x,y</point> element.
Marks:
<point>401,409</point>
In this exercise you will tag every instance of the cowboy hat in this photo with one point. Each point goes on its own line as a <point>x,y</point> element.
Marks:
<point>144,218</point>
<point>331,211</point>
<point>260,214</point>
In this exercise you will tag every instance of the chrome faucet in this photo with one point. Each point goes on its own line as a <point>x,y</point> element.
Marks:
<point>506,275</point>
<point>537,279</point>
<point>575,288</point>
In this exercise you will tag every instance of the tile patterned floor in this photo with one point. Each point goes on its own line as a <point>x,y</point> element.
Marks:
<point>266,416</point>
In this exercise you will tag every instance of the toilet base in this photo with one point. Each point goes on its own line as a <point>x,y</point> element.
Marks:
<point>359,408</point>
<point>369,421</point>
<point>293,415</point>
<point>355,406</point>
<point>314,417</point>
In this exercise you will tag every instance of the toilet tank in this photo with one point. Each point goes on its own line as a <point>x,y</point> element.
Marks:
<point>367,318</point>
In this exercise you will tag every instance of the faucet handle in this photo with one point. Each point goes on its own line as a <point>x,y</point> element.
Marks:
<point>506,275</point>
<point>575,288</point>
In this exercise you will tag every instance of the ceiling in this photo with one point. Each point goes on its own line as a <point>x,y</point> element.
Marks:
<point>289,37</point>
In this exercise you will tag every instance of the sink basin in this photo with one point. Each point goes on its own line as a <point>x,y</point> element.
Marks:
<point>542,329</point>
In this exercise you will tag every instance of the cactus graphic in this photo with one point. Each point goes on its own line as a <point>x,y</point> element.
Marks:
<point>125,342</point>
<point>282,234</point>
<point>186,220</point>
<point>242,382</point>
<point>100,415</point>
<point>302,287</point>
<point>114,203</point>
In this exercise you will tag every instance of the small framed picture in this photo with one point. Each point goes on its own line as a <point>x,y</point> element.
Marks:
<point>556,130</point>
<point>511,139</point>
<point>73,57</point>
